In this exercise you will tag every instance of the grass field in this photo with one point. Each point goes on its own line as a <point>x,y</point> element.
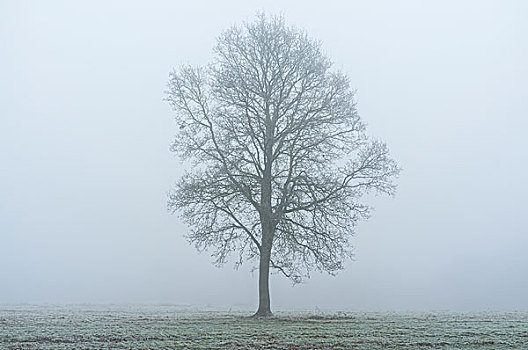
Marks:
<point>170,327</point>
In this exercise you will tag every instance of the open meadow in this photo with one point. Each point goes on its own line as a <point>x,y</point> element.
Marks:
<point>171,327</point>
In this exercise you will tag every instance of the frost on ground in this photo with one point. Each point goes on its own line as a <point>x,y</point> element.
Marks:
<point>169,327</point>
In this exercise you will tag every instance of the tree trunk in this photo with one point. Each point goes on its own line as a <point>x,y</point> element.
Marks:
<point>266,221</point>
<point>264,308</point>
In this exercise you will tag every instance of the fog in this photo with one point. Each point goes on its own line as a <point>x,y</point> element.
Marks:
<point>85,167</point>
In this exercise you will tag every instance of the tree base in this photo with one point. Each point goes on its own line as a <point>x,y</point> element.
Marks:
<point>262,314</point>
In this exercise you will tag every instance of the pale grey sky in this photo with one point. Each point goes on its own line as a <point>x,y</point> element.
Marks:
<point>85,166</point>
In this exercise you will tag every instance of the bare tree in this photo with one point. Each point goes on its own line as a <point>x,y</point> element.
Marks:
<point>280,156</point>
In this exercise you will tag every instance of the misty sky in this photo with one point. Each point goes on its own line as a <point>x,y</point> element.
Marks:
<point>85,166</point>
